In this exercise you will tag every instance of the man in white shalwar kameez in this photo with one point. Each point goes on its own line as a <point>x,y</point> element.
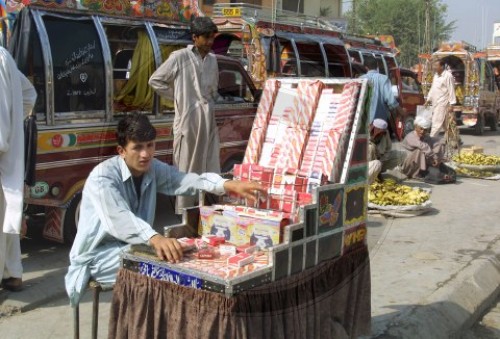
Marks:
<point>190,78</point>
<point>441,96</point>
<point>16,101</point>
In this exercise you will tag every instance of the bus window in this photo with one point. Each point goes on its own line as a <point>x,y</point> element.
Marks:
<point>231,46</point>
<point>133,64</point>
<point>312,63</point>
<point>338,63</point>
<point>288,59</point>
<point>489,78</point>
<point>355,56</point>
<point>381,65</point>
<point>78,65</point>
<point>233,86</point>
<point>170,40</point>
<point>33,68</point>
<point>390,61</point>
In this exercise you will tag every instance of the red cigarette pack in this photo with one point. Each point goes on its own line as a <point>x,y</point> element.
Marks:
<point>240,259</point>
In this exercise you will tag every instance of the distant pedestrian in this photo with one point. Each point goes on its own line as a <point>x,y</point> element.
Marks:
<point>441,96</point>
<point>16,101</point>
<point>382,98</point>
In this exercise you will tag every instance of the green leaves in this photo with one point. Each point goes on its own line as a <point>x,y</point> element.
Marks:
<point>403,19</point>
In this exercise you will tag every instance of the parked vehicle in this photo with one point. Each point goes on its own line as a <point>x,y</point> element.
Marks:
<point>478,104</point>
<point>89,70</point>
<point>288,45</point>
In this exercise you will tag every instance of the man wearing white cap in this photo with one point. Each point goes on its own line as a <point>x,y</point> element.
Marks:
<point>381,156</point>
<point>424,150</point>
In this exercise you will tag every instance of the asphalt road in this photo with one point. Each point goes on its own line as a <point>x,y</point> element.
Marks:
<point>45,264</point>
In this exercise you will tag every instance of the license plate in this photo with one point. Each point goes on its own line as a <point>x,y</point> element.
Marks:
<point>231,11</point>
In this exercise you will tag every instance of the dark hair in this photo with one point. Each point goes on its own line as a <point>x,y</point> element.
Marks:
<point>203,25</point>
<point>371,62</point>
<point>134,127</point>
<point>441,62</point>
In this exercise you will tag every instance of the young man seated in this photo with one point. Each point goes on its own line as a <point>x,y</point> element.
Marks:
<point>424,150</point>
<point>119,201</point>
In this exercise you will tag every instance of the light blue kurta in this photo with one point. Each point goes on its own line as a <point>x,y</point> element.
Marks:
<point>111,216</point>
<point>382,97</point>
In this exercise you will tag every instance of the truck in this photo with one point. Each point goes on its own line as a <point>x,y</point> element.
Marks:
<point>90,63</point>
<point>478,102</point>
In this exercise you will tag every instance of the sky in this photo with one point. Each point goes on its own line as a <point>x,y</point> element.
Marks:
<point>474,20</point>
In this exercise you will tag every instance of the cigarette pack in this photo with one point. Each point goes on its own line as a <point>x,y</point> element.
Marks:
<point>240,259</point>
<point>247,248</point>
<point>227,250</point>
<point>206,253</point>
<point>213,240</point>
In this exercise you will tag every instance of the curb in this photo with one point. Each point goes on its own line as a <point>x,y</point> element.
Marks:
<point>455,306</point>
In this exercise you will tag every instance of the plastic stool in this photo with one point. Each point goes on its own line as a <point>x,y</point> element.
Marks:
<point>96,288</point>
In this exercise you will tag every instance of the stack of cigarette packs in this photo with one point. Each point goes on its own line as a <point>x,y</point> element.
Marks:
<point>300,150</point>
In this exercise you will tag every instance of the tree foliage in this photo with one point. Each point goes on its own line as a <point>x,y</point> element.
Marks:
<point>404,20</point>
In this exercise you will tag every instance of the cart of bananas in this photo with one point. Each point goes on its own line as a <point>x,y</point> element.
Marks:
<point>476,159</point>
<point>390,193</point>
<point>477,165</point>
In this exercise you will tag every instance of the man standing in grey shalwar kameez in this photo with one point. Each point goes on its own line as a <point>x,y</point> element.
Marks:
<point>190,78</point>
<point>424,150</point>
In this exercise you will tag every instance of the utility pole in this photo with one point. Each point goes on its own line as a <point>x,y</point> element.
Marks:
<point>427,29</point>
<point>353,16</point>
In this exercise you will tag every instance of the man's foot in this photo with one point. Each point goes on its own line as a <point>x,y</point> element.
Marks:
<point>13,284</point>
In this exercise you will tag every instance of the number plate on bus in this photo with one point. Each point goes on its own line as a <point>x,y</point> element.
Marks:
<point>231,11</point>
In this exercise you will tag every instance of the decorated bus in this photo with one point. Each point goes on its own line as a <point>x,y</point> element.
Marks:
<point>90,62</point>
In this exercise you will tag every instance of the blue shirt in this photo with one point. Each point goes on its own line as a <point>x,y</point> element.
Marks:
<point>381,97</point>
<point>112,216</point>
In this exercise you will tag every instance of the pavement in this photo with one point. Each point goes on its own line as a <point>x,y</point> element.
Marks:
<point>433,276</point>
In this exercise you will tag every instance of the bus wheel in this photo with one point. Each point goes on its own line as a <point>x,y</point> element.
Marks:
<point>479,127</point>
<point>71,219</point>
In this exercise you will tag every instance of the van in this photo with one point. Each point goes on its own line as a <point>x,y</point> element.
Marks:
<point>90,68</point>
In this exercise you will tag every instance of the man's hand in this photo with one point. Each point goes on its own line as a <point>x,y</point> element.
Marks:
<point>167,249</point>
<point>246,189</point>
<point>450,109</point>
<point>427,104</point>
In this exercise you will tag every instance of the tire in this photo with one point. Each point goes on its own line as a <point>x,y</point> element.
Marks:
<point>494,122</point>
<point>71,219</point>
<point>479,127</point>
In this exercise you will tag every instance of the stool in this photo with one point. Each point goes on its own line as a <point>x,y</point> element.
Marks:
<point>96,288</point>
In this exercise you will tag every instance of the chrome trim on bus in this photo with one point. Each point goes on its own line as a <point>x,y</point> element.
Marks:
<point>108,66</point>
<point>157,55</point>
<point>49,69</point>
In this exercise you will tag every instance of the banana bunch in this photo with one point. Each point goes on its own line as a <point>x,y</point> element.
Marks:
<point>474,173</point>
<point>389,192</point>
<point>476,159</point>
